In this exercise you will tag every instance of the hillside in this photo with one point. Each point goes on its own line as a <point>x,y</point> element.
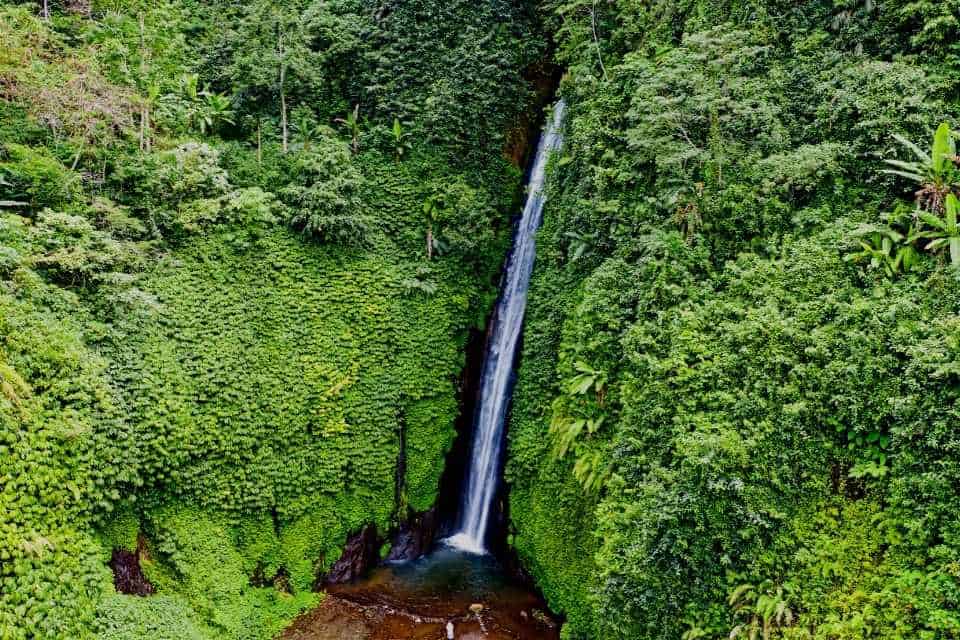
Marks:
<point>220,318</point>
<point>740,340</point>
<point>248,251</point>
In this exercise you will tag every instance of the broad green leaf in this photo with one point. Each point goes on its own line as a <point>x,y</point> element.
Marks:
<point>942,148</point>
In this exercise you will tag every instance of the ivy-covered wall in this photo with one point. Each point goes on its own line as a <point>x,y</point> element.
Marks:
<point>241,249</point>
<point>290,370</point>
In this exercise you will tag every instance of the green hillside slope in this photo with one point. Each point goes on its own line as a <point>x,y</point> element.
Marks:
<point>220,313</point>
<point>736,407</point>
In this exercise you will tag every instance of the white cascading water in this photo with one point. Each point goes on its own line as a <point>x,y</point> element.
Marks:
<point>495,384</point>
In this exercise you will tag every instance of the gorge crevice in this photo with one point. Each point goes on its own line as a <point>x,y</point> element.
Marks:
<point>453,588</point>
<point>415,532</point>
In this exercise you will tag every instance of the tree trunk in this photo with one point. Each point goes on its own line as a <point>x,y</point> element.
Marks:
<point>143,127</point>
<point>283,117</point>
<point>76,158</point>
<point>283,94</point>
<point>259,143</point>
<point>83,142</point>
<point>430,242</point>
<point>145,108</point>
<point>46,9</point>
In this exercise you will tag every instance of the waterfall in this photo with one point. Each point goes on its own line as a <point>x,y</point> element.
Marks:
<point>495,384</point>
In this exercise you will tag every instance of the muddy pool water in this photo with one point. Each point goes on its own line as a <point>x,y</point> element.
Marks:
<point>445,593</point>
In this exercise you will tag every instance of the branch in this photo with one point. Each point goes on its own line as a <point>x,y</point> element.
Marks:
<point>596,41</point>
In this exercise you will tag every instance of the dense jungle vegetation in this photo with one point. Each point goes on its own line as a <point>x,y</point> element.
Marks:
<point>742,335</point>
<point>225,305</point>
<point>243,244</point>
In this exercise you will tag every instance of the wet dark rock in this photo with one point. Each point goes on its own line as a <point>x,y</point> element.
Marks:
<point>360,555</point>
<point>128,575</point>
<point>457,461</point>
<point>415,537</point>
<point>543,79</point>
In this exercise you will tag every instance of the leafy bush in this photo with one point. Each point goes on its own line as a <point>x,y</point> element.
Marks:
<point>35,176</point>
<point>461,221</point>
<point>190,172</point>
<point>123,617</point>
<point>325,198</point>
<point>75,252</point>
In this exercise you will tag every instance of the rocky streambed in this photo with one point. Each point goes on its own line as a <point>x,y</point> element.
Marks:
<point>447,594</point>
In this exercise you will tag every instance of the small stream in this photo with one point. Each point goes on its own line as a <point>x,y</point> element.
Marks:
<point>460,591</point>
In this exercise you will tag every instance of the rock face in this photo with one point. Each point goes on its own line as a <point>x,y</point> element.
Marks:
<point>128,576</point>
<point>543,78</point>
<point>415,537</point>
<point>360,555</point>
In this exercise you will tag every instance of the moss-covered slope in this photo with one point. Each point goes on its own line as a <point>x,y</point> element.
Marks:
<point>241,248</point>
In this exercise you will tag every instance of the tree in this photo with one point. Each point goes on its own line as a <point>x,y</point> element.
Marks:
<point>324,200</point>
<point>937,171</point>
<point>306,132</point>
<point>352,124</point>
<point>213,110</point>
<point>272,61</point>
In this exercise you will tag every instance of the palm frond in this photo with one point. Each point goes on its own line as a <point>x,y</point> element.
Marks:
<point>922,155</point>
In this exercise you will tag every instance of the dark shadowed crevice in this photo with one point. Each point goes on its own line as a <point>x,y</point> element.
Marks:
<point>360,555</point>
<point>128,576</point>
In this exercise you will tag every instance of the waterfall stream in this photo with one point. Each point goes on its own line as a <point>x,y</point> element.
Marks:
<point>459,590</point>
<point>483,474</point>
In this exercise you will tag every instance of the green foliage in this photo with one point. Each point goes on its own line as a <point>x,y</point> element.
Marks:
<point>718,470</point>
<point>37,178</point>
<point>765,608</point>
<point>37,601</point>
<point>723,389</point>
<point>944,233</point>
<point>122,617</point>
<point>352,126</point>
<point>184,377</point>
<point>195,555</point>
<point>121,529</point>
<point>736,409</point>
<point>884,249</point>
<point>461,221</point>
<point>328,204</point>
<point>214,112</point>
<point>401,142</point>
<point>448,67</point>
<point>933,28</point>
<point>937,172</point>
<point>935,219</point>
<point>350,385</point>
<point>56,404</point>
<point>191,171</point>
